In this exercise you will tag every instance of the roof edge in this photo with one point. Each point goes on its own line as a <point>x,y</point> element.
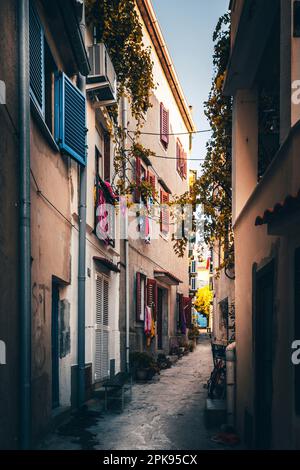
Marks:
<point>151,22</point>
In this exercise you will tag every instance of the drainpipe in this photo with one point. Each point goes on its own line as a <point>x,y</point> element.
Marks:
<point>25,249</point>
<point>82,254</point>
<point>126,241</point>
<point>230,383</point>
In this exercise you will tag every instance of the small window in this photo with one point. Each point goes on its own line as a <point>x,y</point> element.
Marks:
<point>98,163</point>
<point>42,68</point>
<point>193,283</point>
<point>164,126</point>
<point>164,212</point>
<point>181,160</point>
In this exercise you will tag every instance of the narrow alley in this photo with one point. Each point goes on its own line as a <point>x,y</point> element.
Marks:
<point>167,413</point>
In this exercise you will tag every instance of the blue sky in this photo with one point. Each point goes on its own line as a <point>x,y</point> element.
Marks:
<point>188,27</point>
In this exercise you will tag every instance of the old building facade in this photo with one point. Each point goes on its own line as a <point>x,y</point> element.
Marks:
<point>158,278</point>
<point>261,77</point>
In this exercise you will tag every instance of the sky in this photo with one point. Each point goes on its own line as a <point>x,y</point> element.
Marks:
<point>188,28</point>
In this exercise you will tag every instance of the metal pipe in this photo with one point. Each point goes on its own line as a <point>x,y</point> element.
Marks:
<point>81,255</point>
<point>126,240</point>
<point>230,383</point>
<point>25,241</point>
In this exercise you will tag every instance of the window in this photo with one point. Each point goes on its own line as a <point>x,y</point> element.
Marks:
<point>70,118</point>
<point>140,296</point>
<point>181,160</point>
<point>98,163</point>
<point>193,283</point>
<point>105,213</point>
<point>193,267</point>
<point>42,68</point>
<point>164,212</point>
<point>102,330</point>
<point>151,180</point>
<point>223,317</point>
<point>152,296</point>
<point>138,179</point>
<point>164,126</point>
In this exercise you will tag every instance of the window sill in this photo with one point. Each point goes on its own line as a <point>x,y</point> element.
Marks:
<point>43,126</point>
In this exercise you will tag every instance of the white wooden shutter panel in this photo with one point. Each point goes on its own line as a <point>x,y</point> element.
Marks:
<point>102,329</point>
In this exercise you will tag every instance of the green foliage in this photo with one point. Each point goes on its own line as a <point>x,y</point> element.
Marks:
<point>119,27</point>
<point>214,188</point>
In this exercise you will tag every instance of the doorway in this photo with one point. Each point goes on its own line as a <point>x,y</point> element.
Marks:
<point>263,341</point>
<point>55,344</point>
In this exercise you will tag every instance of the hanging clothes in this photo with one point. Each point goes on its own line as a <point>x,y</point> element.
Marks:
<point>148,321</point>
<point>102,217</point>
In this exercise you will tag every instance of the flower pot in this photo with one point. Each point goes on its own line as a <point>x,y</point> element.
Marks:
<point>142,374</point>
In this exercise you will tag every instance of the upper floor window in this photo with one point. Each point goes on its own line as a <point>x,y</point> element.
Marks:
<point>58,104</point>
<point>164,212</point>
<point>181,160</point>
<point>164,126</point>
<point>42,69</point>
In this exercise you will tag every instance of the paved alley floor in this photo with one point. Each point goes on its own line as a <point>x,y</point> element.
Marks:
<point>165,414</point>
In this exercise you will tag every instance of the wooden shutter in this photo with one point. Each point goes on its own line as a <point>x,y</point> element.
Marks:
<point>70,118</point>
<point>164,125</point>
<point>107,157</point>
<point>184,164</point>
<point>138,179</point>
<point>151,180</point>
<point>36,60</point>
<point>138,297</point>
<point>297,327</point>
<point>164,212</point>
<point>178,155</point>
<point>102,336</point>
<point>140,306</point>
<point>152,295</point>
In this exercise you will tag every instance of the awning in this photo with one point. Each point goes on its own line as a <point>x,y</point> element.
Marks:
<point>107,263</point>
<point>281,216</point>
<point>167,278</point>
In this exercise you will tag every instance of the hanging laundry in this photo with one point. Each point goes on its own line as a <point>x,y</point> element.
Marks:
<point>148,321</point>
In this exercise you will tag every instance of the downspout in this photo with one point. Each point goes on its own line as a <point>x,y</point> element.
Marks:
<point>126,241</point>
<point>81,254</point>
<point>25,242</point>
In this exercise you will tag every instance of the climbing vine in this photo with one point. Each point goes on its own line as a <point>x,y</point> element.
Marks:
<point>119,27</point>
<point>214,186</point>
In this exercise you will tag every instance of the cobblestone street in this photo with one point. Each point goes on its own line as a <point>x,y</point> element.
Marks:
<point>167,413</point>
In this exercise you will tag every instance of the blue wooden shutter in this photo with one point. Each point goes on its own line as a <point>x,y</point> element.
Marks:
<point>36,60</point>
<point>70,118</point>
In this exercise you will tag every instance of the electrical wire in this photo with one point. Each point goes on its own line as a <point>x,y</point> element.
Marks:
<point>40,193</point>
<point>172,133</point>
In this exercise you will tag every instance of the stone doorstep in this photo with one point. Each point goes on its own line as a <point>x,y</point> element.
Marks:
<point>215,412</point>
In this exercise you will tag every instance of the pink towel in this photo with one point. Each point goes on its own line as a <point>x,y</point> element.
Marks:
<point>148,320</point>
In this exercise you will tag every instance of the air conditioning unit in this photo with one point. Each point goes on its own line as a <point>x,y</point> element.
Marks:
<point>102,81</point>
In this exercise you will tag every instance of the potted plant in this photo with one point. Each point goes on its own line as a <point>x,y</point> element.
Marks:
<point>143,366</point>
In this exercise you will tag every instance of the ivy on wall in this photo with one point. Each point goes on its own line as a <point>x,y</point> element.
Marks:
<point>119,27</point>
